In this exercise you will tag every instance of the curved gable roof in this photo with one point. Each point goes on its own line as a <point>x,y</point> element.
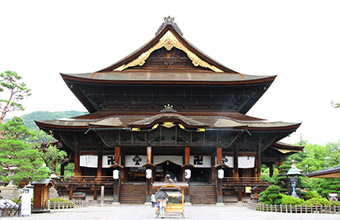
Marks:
<point>166,27</point>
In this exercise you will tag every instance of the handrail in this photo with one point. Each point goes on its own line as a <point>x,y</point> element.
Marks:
<point>241,179</point>
<point>84,178</point>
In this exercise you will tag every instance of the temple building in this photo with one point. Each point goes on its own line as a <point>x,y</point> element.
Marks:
<point>168,109</point>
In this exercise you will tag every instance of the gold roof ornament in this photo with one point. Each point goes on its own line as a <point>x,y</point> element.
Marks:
<point>168,41</point>
<point>168,108</point>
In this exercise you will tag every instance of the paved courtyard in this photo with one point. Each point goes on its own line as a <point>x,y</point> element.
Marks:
<point>197,212</point>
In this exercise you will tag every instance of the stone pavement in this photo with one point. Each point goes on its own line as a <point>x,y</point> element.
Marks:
<point>195,212</point>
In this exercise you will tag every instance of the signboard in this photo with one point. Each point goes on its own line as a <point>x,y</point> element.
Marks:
<point>200,161</point>
<point>135,160</point>
<point>25,203</point>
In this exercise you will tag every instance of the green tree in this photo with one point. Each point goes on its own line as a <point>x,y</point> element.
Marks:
<point>19,160</point>
<point>49,152</point>
<point>15,90</point>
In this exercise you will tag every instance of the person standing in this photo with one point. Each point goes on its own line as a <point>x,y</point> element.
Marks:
<point>153,199</point>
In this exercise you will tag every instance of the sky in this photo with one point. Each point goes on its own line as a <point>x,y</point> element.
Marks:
<point>297,40</point>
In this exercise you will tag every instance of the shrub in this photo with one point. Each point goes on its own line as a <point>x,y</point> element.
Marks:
<point>318,201</point>
<point>309,195</point>
<point>289,200</point>
<point>336,203</point>
<point>271,195</point>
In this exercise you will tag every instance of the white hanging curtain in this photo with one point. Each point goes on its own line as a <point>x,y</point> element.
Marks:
<point>228,160</point>
<point>135,160</point>
<point>90,161</point>
<point>108,160</point>
<point>200,161</point>
<point>162,158</point>
<point>246,162</point>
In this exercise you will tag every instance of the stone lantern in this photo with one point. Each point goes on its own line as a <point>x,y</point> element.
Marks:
<point>293,173</point>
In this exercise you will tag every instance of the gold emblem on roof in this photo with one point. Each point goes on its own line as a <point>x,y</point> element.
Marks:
<point>168,41</point>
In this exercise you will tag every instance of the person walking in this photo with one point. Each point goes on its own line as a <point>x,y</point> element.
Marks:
<point>162,206</point>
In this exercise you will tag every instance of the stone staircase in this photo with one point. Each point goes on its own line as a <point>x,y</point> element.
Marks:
<point>132,194</point>
<point>203,194</point>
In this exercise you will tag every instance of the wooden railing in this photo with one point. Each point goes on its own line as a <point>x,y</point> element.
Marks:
<point>84,179</point>
<point>333,209</point>
<point>76,203</point>
<point>243,181</point>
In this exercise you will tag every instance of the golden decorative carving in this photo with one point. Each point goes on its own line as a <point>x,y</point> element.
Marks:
<point>168,41</point>
<point>168,124</point>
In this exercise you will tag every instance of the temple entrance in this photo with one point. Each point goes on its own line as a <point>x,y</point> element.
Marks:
<point>168,168</point>
<point>200,175</point>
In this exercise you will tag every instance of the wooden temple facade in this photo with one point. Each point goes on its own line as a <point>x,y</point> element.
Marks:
<point>168,108</point>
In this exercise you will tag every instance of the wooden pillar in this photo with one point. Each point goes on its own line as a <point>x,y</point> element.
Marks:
<point>258,165</point>
<point>219,155</point>
<point>239,194</point>
<point>186,161</point>
<point>123,173</point>
<point>117,154</point>
<point>62,171</point>
<point>148,181</point>
<point>271,170</point>
<point>213,170</point>
<point>236,173</point>
<point>149,155</point>
<point>95,193</point>
<point>116,187</point>
<point>99,165</point>
<point>116,190</point>
<point>219,181</point>
<point>187,155</point>
<point>76,165</point>
<point>70,193</point>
